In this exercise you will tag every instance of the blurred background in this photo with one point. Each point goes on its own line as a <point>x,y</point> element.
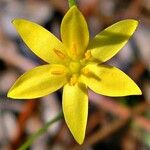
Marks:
<point>113,123</point>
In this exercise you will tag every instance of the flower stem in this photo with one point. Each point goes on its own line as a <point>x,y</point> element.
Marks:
<point>41,131</point>
<point>71,3</point>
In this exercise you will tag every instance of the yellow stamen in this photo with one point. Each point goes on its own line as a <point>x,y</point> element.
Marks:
<point>86,71</point>
<point>88,54</point>
<point>57,72</point>
<point>74,50</point>
<point>73,80</point>
<point>59,53</point>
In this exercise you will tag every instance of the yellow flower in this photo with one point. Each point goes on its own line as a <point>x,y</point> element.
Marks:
<point>74,64</point>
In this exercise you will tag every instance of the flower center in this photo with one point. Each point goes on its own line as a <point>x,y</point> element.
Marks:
<point>74,67</point>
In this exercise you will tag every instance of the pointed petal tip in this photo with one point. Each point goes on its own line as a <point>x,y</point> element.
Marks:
<point>10,94</point>
<point>135,22</point>
<point>78,138</point>
<point>74,7</point>
<point>138,91</point>
<point>80,141</point>
<point>132,22</point>
<point>14,21</point>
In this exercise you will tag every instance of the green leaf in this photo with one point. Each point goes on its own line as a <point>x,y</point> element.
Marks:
<point>41,131</point>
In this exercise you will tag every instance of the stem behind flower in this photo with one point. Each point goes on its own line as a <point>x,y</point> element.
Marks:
<point>71,3</point>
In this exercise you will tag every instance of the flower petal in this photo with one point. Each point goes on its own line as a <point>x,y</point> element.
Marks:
<point>43,43</point>
<point>107,43</point>
<point>109,81</point>
<point>74,33</point>
<point>75,108</point>
<point>39,82</point>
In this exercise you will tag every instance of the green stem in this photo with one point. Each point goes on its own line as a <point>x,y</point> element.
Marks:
<point>42,130</point>
<point>71,3</point>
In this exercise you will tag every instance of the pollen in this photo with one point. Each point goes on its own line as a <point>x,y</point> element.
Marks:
<point>73,80</point>
<point>74,50</point>
<point>57,72</point>
<point>86,71</point>
<point>59,53</point>
<point>88,54</point>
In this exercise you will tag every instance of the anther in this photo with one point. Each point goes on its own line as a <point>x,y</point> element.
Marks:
<point>57,72</point>
<point>86,71</point>
<point>73,80</point>
<point>59,53</point>
<point>88,54</point>
<point>74,50</point>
